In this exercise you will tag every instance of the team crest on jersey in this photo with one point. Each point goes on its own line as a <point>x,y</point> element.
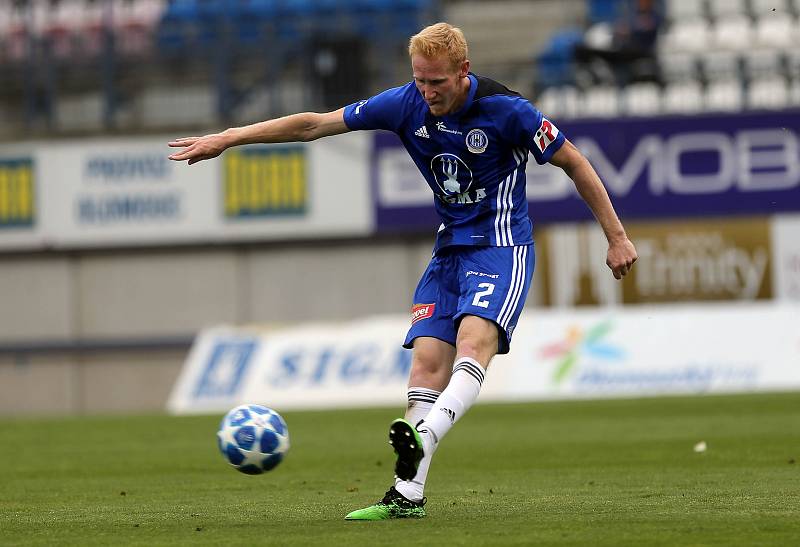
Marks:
<point>421,311</point>
<point>477,141</point>
<point>452,175</point>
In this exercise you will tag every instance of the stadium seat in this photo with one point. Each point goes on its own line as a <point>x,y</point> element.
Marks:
<point>794,93</point>
<point>90,29</point>
<point>600,101</point>
<point>60,26</point>
<point>642,99</point>
<point>772,94</point>
<point>5,29</point>
<point>18,34</point>
<point>762,63</point>
<point>793,64</point>
<point>252,19</point>
<point>734,32</point>
<point>775,30</point>
<point>549,102</point>
<point>719,9</point>
<point>686,36</point>
<point>559,102</point>
<point>766,7</point>
<point>377,18</point>
<point>599,36</point>
<point>677,10</point>
<point>134,24</point>
<point>602,11</point>
<point>555,63</point>
<point>178,27</point>
<point>720,65</point>
<point>570,101</point>
<point>683,98</point>
<point>724,96</point>
<point>677,67</point>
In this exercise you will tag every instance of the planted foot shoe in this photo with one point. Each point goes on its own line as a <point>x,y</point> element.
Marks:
<point>407,444</point>
<point>393,506</point>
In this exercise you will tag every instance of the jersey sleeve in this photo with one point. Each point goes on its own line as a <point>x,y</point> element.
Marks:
<point>530,128</point>
<point>383,111</point>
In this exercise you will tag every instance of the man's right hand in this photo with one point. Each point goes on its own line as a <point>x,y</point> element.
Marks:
<point>621,256</point>
<point>199,148</point>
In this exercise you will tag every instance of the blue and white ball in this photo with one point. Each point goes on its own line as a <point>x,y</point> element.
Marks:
<point>253,438</point>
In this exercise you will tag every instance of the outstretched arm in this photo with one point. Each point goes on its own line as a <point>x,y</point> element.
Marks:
<point>621,252</point>
<point>303,127</point>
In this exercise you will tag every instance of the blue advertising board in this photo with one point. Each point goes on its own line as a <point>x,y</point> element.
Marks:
<point>666,167</point>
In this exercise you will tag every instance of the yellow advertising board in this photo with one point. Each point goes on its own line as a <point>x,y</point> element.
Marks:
<point>265,181</point>
<point>16,193</point>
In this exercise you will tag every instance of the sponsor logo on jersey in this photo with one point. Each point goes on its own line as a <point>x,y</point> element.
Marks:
<point>358,107</point>
<point>470,196</point>
<point>545,135</point>
<point>477,141</point>
<point>421,311</point>
<point>452,175</point>
<point>441,126</point>
<point>422,132</point>
<point>481,274</point>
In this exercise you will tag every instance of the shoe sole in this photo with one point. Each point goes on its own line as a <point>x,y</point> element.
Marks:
<point>407,445</point>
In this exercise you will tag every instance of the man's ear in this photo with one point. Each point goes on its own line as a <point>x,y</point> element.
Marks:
<point>464,68</point>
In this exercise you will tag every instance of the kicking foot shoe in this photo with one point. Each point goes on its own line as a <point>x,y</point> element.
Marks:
<point>407,444</point>
<point>393,506</point>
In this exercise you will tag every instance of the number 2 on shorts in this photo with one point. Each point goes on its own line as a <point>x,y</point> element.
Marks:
<point>489,289</point>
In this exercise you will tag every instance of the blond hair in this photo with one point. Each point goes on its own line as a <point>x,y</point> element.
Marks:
<point>440,39</point>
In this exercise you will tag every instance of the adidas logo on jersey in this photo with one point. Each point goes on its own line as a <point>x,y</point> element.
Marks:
<point>422,132</point>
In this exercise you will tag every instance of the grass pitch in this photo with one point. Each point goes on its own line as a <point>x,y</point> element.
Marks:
<point>566,473</point>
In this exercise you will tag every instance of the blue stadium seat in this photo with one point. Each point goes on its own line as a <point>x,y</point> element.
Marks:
<point>554,64</point>
<point>253,19</point>
<point>177,26</point>
<point>192,23</point>
<point>381,18</point>
<point>603,11</point>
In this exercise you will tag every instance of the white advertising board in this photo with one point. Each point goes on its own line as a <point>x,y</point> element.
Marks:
<point>123,192</point>
<point>119,192</point>
<point>617,352</point>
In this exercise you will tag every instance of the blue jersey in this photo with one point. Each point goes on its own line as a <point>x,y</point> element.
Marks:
<point>473,159</point>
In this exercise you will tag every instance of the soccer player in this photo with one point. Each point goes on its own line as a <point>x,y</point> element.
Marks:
<point>470,138</point>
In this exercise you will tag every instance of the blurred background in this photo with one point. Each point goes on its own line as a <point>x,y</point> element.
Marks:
<point>114,261</point>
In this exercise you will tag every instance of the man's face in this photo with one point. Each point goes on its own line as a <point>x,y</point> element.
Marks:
<point>439,83</point>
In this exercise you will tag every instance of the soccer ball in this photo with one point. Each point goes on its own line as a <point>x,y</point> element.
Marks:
<point>253,438</point>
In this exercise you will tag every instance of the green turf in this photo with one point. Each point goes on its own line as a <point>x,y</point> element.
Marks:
<point>575,473</point>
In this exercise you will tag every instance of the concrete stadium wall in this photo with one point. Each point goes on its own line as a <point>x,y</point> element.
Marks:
<point>90,384</point>
<point>168,293</point>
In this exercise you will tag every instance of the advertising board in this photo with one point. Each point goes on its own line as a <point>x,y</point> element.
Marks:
<point>123,192</point>
<point>665,167</point>
<point>616,352</point>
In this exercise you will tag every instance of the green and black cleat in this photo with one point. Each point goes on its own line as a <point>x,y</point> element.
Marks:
<point>407,444</point>
<point>393,506</point>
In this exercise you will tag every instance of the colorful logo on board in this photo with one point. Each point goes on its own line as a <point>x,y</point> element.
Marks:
<point>579,343</point>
